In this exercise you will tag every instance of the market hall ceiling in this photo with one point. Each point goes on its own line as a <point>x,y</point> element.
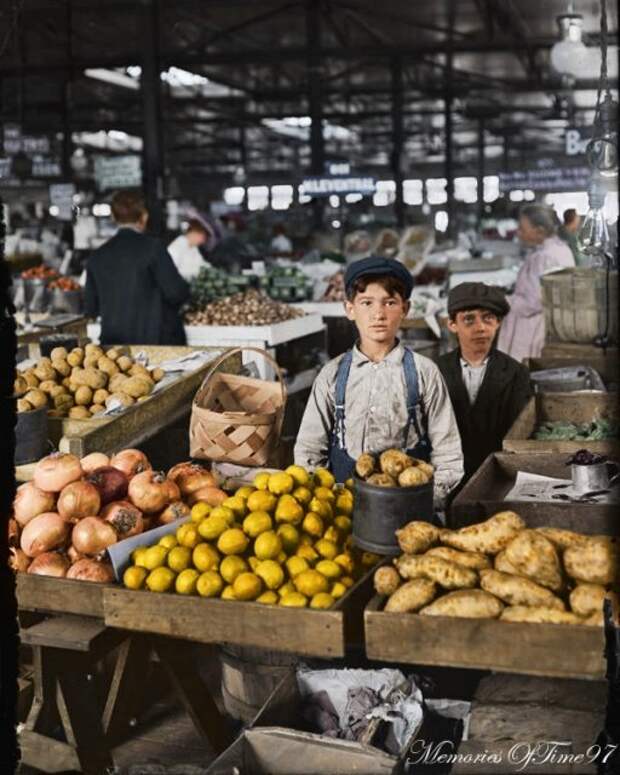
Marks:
<point>261,59</point>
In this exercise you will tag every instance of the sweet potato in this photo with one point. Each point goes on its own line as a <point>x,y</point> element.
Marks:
<point>448,574</point>
<point>503,565</point>
<point>386,580</point>
<point>488,537</point>
<point>562,539</point>
<point>471,560</point>
<point>465,603</point>
<point>416,537</point>
<point>515,590</point>
<point>539,615</point>
<point>535,556</point>
<point>595,562</point>
<point>587,599</point>
<point>411,596</point>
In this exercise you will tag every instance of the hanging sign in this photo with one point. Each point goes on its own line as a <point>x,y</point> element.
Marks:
<point>546,175</point>
<point>118,172</point>
<point>576,140</point>
<point>341,184</point>
<point>61,195</point>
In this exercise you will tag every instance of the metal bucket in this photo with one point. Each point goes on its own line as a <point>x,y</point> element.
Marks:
<point>380,511</point>
<point>31,436</point>
<point>47,343</point>
<point>594,477</point>
<point>66,301</point>
<point>36,294</point>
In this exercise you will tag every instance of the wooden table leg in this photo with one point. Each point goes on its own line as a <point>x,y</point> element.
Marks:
<point>193,692</point>
<point>43,715</point>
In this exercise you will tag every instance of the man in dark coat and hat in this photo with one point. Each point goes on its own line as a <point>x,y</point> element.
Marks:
<point>488,388</point>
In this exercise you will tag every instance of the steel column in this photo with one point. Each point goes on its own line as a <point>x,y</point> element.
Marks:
<point>315,99</point>
<point>480,176</point>
<point>397,139</point>
<point>449,167</point>
<point>152,151</point>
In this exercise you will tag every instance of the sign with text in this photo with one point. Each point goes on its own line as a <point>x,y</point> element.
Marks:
<point>118,172</point>
<point>346,184</point>
<point>14,141</point>
<point>61,195</point>
<point>546,175</point>
<point>576,140</point>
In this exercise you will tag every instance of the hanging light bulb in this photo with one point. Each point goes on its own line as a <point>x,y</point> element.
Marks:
<point>594,235</point>
<point>569,56</point>
<point>602,150</point>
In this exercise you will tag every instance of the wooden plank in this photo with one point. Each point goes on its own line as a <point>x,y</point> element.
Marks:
<point>65,596</point>
<point>46,754</point>
<point>574,350</point>
<point>563,651</point>
<point>484,495</point>
<point>69,632</point>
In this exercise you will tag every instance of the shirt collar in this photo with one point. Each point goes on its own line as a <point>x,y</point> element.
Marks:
<point>395,356</point>
<point>464,362</point>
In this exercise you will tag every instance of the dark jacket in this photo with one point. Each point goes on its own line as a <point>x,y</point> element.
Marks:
<point>132,282</point>
<point>504,392</point>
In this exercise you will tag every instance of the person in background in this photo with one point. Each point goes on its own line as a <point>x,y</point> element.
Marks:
<point>185,249</point>
<point>488,388</point>
<point>568,232</point>
<point>522,334</point>
<point>132,283</point>
<point>280,242</point>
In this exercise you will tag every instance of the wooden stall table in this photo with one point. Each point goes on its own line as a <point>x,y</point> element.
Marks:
<point>55,324</point>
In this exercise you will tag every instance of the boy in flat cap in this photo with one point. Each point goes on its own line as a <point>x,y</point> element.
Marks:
<point>380,394</point>
<point>488,388</point>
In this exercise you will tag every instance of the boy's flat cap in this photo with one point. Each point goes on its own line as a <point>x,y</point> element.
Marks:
<point>378,266</point>
<point>477,296</point>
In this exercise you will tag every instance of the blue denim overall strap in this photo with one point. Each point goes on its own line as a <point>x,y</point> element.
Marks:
<point>422,449</point>
<point>340,463</point>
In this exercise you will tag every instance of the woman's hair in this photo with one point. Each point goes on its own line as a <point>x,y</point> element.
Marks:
<point>569,216</point>
<point>128,206</point>
<point>193,224</point>
<point>390,284</point>
<point>541,217</point>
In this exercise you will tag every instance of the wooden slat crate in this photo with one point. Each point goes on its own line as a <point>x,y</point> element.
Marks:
<point>563,651</point>
<point>570,407</point>
<point>65,596</point>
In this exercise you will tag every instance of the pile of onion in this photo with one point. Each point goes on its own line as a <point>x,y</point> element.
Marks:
<point>151,491</point>
<point>49,564</point>
<point>45,532</point>
<point>56,471</point>
<point>130,462</point>
<point>93,461</point>
<point>191,477</point>
<point>30,501</point>
<point>92,536</point>
<point>78,500</point>
<point>124,517</point>
<point>91,570</point>
<point>172,512</point>
<point>110,483</point>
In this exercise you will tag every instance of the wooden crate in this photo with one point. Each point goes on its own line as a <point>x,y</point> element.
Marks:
<point>562,651</point>
<point>574,350</point>
<point>484,494</point>
<point>141,420</point>
<point>570,407</point>
<point>304,631</point>
<point>64,596</point>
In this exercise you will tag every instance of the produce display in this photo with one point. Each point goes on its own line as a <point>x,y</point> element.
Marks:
<point>40,272</point>
<point>252,308</point>
<point>64,284</point>
<point>335,290</point>
<point>500,569</point>
<point>84,382</point>
<point>287,283</point>
<point>283,541</point>
<point>558,430</point>
<point>393,468</point>
<point>212,283</point>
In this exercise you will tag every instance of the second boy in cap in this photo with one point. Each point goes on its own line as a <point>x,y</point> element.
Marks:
<point>380,394</point>
<point>488,388</point>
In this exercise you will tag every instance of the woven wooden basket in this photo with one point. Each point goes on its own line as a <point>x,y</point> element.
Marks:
<point>237,419</point>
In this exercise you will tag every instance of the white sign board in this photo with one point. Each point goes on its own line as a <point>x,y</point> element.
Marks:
<point>118,172</point>
<point>61,195</point>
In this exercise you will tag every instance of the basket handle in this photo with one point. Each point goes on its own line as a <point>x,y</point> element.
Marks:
<point>232,351</point>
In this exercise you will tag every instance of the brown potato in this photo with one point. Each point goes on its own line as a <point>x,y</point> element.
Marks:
<point>595,562</point>
<point>488,537</point>
<point>413,476</point>
<point>62,368</point>
<point>64,401</point>
<point>36,397</point>
<point>124,362</point>
<point>93,349</point>
<point>538,615</point>
<point>58,354</point>
<point>503,565</point>
<point>382,480</point>
<point>465,603</point>
<point>587,599</point>
<point>157,375</point>
<point>562,539</point>
<point>20,386</point>
<point>57,390</point>
<point>31,379</point>
<point>471,560</point>
<point>107,365</point>
<point>597,619</point>
<point>75,357</point>
<point>428,469</point>
<point>79,413</point>
<point>137,386</point>
<point>113,354</point>
<point>99,396</point>
<point>535,556</point>
<point>44,372</point>
<point>138,370</point>
<point>386,580</point>
<point>416,537</point>
<point>515,590</point>
<point>394,462</point>
<point>365,465</point>
<point>23,405</point>
<point>90,362</point>
<point>448,574</point>
<point>83,396</point>
<point>46,385</point>
<point>97,409</point>
<point>117,382</point>
<point>67,383</point>
<point>411,596</point>
<point>94,379</point>
<point>122,397</point>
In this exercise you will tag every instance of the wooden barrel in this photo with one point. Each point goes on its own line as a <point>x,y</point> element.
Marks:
<point>249,675</point>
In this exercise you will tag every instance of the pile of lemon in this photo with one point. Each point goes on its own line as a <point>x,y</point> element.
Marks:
<point>284,541</point>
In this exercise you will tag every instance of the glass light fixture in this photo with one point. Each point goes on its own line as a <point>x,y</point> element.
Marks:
<point>594,234</point>
<point>602,150</point>
<point>569,56</point>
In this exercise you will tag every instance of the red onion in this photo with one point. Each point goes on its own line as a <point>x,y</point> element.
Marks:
<point>56,471</point>
<point>49,564</point>
<point>149,491</point>
<point>93,461</point>
<point>173,512</point>
<point>191,477</point>
<point>93,535</point>
<point>91,570</point>
<point>45,532</point>
<point>30,501</point>
<point>110,482</point>
<point>77,500</point>
<point>211,495</point>
<point>18,560</point>
<point>130,462</point>
<point>124,517</point>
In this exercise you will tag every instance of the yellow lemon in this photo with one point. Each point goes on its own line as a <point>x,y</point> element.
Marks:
<point>324,478</point>
<point>245,492</point>
<point>345,561</point>
<point>347,581</point>
<point>324,494</point>
<point>168,542</point>
<point>254,563</point>
<point>286,589</point>
<point>302,495</point>
<point>308,554</point>
<point>155,557</point>
<point>160,580</point>
<point>261,481</point>
<point>282,557</point>
<point>179,558</point>
<point>349,484</point>
<point>310,583</point>
<point>256,522</point>
<point>329,568</point>
<point>322,508</point>
<point>233,541</point>
<point>261,501</point>
<point>205,557</point>
<point>296,565</point>
<point>326,549</point>
<point>209,584</point>
<point>268,598</point>
<point>280,483</point>
<point>212,527</point>
<point>271,574</point>
<point>199,511</point>
<point>299,474</point>
<point>188,535</point>
<point>267,546</point>
<point>344,503</point>
<point>235,504</point>
<point>228,593</point>
<point>293,600</point>
<point>247,586</point>
<point>338,589</point>
<point>231,567</point>
<point>313,524</point>
<point>224,512</point>
<point>137,556</point>
<point>134,577</point>
<point>369,559</point>
<point>331,534</point>
<point>288,510</point>
<point>185,583</point>
<point>306,540</point>
<point>289,535</point>
<point>343,523</point>
<point>322,600</point>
